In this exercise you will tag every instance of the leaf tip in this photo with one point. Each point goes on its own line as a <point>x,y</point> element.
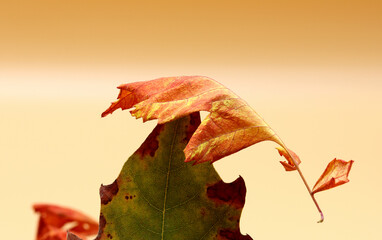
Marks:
<point>104,114</point>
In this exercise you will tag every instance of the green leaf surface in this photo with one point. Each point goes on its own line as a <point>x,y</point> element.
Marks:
<point>159,196</point>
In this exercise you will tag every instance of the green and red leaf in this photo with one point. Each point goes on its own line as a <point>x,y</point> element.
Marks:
<point>159,196</point>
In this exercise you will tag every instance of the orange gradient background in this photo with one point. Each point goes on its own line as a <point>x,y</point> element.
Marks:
<point>311,69</point>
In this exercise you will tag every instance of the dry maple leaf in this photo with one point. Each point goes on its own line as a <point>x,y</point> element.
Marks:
<point>335,174</point>
<point>53,219</point>
<point>231,125</point>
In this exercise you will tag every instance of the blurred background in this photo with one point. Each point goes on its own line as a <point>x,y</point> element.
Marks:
<point>311,69</point>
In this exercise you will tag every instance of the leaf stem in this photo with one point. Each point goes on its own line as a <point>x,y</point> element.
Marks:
<point>279,141</point>
<point>310,193</point>
<point>306,184</point>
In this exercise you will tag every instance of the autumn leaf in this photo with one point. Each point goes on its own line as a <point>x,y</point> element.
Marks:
<point>53,220</point>
<point>335,174</point>
<point>288,165</point>
<point>230,126</point>
<point>159,196</point>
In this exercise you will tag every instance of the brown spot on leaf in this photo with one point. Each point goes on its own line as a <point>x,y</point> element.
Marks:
<point>127,197</point>
<point>102,224</point>
<point>232,235</point>
<point>151,144</point>
<point>109,236</point>
<point>203,211</point>
<point>107,192</point>
<point>228,193</point>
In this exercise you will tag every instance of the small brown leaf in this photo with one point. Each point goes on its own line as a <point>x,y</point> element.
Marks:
<point>288,165</point>
<point>335,174</point>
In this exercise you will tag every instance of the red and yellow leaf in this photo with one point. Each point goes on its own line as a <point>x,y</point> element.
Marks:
<point>288,165</point>
<point>335,174</point>
<point>53,219</point>
<point>231,125</point>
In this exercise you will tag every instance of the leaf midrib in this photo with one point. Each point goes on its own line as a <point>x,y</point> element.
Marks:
<point>167,178</point>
